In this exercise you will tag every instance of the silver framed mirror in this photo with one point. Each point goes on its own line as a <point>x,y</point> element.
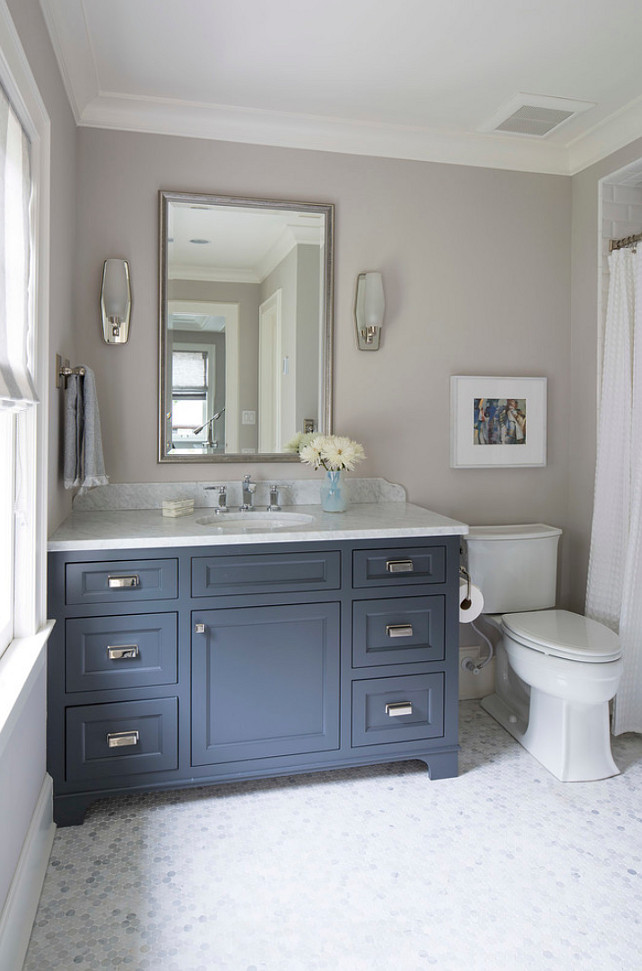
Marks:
<point>246,326</point>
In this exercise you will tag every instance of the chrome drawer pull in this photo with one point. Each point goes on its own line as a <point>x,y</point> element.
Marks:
<point>122,652</point>
<point>120,739</point>
<point>399,630</point>
<point>118,582</point>
<point>400,566</point>
<point>399,708</point>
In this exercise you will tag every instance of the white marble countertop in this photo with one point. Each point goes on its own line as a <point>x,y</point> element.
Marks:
<point>148,528</point>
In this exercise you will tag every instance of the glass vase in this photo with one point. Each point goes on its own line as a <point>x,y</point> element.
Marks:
<point>334,492</point>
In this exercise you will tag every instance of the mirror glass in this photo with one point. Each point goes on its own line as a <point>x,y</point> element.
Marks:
<point>245,326</point>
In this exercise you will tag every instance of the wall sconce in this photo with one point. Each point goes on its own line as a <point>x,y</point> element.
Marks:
<point>116,301</point>
<point>369,307</point>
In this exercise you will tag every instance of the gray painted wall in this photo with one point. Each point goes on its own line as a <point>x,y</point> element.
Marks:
<point>476,264</point>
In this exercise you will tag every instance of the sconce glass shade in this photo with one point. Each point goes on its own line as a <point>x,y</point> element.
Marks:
<point>369,308</point>
<point>116,301</point>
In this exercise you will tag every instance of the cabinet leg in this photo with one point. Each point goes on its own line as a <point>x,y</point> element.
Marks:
<point>70,810</point>
<point>442,765</point>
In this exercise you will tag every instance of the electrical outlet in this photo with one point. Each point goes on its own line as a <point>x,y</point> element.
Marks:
<point>248,418</point>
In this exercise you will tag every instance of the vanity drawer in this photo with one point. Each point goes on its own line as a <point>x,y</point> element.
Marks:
<point>399,709</point>
<point>417,564</point>
<point>121,580</point>
<point>128,738</point>
<point>219,576</point>
<point>402,630</point>
<point>120,652</point>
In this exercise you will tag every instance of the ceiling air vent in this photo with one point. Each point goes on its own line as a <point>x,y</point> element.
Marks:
<point>534,115</point>
<point>531,120</point>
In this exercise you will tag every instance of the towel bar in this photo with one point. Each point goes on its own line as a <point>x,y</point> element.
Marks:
<point>63,371</point>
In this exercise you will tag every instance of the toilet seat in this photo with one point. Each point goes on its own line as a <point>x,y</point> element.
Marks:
<point>563,634</point>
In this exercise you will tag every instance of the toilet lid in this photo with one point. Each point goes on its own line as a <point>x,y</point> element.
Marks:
<point>563,634</point>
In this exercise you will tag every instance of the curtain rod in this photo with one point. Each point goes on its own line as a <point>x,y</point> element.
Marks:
<point>626,241</point>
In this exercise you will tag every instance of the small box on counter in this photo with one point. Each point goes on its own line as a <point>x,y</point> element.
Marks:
<point>178,507</point>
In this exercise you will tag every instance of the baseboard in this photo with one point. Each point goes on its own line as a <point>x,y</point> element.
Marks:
<point>21,904</point>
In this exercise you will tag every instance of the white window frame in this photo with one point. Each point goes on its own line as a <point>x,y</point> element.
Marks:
<point>30,603</point>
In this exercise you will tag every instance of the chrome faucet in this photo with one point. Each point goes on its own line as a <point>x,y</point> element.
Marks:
<point>274,499</point>
<point>222,497</point>
<point>249,488</point>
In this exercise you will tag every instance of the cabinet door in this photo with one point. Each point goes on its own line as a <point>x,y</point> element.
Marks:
<point>265,682</point>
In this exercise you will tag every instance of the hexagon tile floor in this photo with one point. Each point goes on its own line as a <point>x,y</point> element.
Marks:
<point>360,869</point>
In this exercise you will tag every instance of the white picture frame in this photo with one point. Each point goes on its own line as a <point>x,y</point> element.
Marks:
<point>497,422</point>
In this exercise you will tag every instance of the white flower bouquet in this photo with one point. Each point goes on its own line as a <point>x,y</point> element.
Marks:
<point>334,453</point>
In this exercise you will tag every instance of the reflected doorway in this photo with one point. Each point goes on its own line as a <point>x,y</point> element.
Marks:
<point>271,367</point>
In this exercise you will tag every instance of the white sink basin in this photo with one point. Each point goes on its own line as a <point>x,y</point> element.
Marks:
<point>257,522</point>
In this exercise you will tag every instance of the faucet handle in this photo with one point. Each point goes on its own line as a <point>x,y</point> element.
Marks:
<point>274,499</point>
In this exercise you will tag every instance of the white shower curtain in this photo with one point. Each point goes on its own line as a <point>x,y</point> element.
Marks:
<point>614,589</point>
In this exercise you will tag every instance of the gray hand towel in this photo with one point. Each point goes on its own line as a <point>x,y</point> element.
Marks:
<point>84,465</point>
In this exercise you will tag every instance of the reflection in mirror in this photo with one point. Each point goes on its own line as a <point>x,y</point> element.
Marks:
<point>245,326</point>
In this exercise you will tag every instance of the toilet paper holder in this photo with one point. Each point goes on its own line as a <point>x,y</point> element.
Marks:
<point>468,664</point>
<point>465,575</point>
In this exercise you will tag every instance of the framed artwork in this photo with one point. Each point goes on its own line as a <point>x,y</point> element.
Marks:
<point>497,422</point>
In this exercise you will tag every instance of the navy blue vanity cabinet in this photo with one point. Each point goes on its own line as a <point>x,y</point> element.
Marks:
<point>190,666</point>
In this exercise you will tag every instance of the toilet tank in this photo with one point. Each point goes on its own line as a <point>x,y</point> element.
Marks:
<point>515,567</point>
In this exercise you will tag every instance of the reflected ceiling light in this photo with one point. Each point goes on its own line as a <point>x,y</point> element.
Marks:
<point>116,301</point>
<point>369,308</point>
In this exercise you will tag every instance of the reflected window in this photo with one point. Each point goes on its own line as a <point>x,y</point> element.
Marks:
<point>190,382</point>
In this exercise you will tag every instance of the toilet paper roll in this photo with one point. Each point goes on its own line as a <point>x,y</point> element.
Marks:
<point>466,614</point>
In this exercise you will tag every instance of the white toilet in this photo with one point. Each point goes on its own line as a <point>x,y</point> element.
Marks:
<point>555,671</point>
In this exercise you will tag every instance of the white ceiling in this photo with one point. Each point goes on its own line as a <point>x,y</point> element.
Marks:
<point>417,79</point>
<point>234,244</point>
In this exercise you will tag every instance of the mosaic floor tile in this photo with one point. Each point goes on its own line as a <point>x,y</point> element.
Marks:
<point>361,869</point>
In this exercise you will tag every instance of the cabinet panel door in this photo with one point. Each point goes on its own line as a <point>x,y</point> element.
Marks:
<point>265,682</point>
<point>220,576</point>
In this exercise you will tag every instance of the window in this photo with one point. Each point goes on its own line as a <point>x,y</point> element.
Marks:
<point>24,178</point>
<point>7,423</point>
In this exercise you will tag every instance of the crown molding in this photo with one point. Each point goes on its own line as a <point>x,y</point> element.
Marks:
<point>70,38</point>
<point>213,274</point>
<point>286,130</point>
<point>614,133</point>
<point>92,107</point>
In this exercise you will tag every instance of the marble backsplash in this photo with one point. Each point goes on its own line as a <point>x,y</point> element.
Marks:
<point>292,492</point>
